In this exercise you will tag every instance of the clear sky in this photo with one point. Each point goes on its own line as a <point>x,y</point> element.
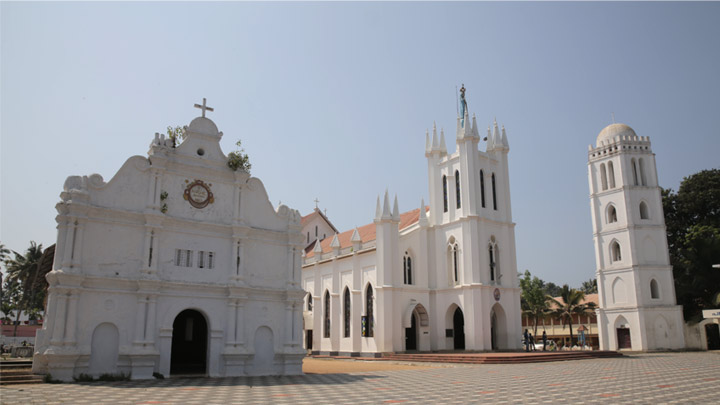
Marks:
<point>332,100</point>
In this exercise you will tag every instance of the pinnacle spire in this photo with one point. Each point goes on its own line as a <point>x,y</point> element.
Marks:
<point>443,148</point>
<point>378,210</point>
<point>355,238</point>
<point>335,244</point>
<point>423,220</point>
<point>386,207</point>
<point>396,212</point>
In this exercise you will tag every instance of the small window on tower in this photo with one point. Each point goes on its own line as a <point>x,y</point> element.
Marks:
<point>612,214</point>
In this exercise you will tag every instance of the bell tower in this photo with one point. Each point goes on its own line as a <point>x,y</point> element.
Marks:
<point>638,309</point>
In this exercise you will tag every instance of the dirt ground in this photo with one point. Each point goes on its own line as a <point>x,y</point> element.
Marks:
<point>333,366</point>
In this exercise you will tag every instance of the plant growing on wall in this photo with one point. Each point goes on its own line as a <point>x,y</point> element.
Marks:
<point>239,159</point>
<point>177,134</point>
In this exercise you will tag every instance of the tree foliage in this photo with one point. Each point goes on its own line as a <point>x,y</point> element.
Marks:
<point>692,218</point>
<point>589,287</point>
<point>24,270</point>
<point>569,304</point>
<point>533,299</point>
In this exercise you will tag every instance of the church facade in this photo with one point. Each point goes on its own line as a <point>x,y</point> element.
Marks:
<point>177,265</point>
<point>440,277</point>
<point>636,290</point>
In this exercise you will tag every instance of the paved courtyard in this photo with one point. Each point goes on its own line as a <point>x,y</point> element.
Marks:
<point>642,378</point>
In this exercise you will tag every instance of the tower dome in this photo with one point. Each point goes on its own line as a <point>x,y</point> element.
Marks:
<point>613,130</point>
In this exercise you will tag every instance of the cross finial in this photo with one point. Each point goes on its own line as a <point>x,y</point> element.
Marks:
<point>316,202</point>
<point>204,107</point>
<point>613,116</point>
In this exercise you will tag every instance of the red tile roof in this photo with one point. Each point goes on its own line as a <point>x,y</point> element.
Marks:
<point>588,298</point>
<point>367,232</point>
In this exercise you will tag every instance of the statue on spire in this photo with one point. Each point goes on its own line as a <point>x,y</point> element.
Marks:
<point>463,105</point>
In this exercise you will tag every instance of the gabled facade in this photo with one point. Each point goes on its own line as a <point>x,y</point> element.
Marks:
<point>316,226</point>
<point>637,310</point>
<point>176,265</point>
<point>440,277</point>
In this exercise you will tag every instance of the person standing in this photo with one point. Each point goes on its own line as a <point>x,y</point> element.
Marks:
<point>532,341</point>
<point>544,340</point>
<point>527,340</point>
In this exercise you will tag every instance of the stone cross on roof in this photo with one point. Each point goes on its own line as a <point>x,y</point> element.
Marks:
<point>316,202</point>
<point>204,107</point>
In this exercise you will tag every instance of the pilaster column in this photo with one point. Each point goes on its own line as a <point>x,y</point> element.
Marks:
<point>69,236</point>
<point>58,333</point>
<point>71,318</point>
<point>77,256</point>
<point>150,324</point>
<point>291,265</point>
<point>231,337</point>
<point>240,323</point>
<point>140,320</point>
<point>289,321</point>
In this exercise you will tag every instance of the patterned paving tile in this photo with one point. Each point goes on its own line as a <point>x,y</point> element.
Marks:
<point>646,378</point>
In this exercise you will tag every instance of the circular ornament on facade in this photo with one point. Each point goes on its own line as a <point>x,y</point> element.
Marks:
<point>496,294</point>
<point>198,194</point>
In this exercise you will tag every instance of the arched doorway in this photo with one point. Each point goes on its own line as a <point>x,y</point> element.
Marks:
<point>499,338</point>
<point>493,331</point>
<point>411,333</point>
<point>623,334</point>
<point>458,330</point>
<point>189,343</point>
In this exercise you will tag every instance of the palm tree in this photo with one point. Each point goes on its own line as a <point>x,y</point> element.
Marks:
<point>569,304</point>
<point>24,269</point>
<point>590,286</point>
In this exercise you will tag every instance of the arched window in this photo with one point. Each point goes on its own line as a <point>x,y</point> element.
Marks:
<point>611,214</point>
<point>309,302</point>
<point>634,171</point>
<point>370,324</point>
<point>494,195</point>
<point>641,164</point>
<point>445,197</point>
<point>326,315</point>
<point>654,289</point>
<point>644,211</point>
<point>482,188</point>
<point>457,188</point>
<point>615,253</point>
<point>492,252</point>
<point>346,312</point>
<point>611,175</point>
<point>455,262</point>
<point>407,269</point>
<point>603,176</point>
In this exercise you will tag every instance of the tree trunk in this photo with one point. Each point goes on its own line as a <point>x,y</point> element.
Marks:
<point>571,335</point>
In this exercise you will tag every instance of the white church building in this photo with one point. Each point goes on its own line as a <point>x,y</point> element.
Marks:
<point>177,265</point>
<point>636,290</point>
<point>440,277</point>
